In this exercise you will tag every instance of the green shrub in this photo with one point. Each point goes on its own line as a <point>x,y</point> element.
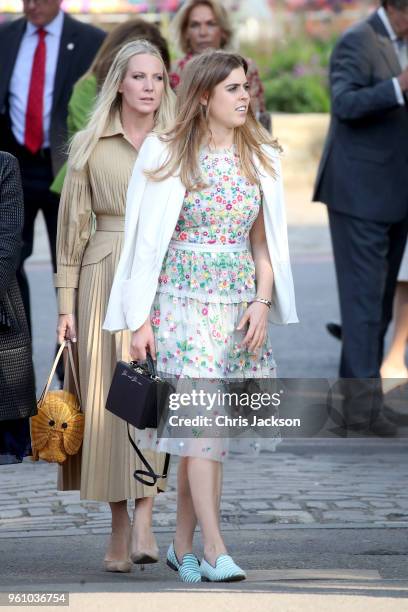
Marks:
<point>295,74</point>
<point>296,94</point>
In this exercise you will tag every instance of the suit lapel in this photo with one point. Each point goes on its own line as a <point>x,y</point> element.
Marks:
<point>67,44</point>
<point>385,45</point>
<point>9,50</point>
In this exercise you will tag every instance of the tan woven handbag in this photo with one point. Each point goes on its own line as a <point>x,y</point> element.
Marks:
<point>58,428</point>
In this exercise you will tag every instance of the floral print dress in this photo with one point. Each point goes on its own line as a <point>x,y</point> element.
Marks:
<point>206,283</point>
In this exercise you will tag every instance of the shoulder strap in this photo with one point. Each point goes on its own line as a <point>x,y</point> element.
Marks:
<point>140,475</point>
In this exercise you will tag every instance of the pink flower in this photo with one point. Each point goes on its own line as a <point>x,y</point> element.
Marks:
<point>174,80</point>
<point>204,311</point>
<point>228,206</point>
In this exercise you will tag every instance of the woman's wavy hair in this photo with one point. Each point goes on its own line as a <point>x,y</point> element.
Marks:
<point>190,129</point>
<point>130,30</point>
<point>109,102</point>
<point>180,22</point>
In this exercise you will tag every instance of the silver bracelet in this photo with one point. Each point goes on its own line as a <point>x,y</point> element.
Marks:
<point>268,303</point>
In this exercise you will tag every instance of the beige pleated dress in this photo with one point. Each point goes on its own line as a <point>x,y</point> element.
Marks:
<point>89,242</point>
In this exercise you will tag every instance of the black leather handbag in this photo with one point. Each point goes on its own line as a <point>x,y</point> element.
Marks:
<point>138,396</point>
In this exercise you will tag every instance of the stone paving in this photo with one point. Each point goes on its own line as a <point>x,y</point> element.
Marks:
<point>303,485</point>
<point>362,484</point>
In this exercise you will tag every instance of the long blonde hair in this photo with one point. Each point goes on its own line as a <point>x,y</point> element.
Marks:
<point>190,130</point>
<point>179,25</point>
<point>109,99</point>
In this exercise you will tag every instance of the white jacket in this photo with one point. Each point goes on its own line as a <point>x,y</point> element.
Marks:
<point>152,211</point>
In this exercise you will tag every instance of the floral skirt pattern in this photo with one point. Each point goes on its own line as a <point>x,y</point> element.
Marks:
<point>200,340</point>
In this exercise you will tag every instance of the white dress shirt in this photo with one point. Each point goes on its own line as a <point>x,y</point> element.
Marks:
<point>20,79</point>
<point>400,50</point>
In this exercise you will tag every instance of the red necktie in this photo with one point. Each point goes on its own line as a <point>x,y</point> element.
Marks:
<point>34,134</point>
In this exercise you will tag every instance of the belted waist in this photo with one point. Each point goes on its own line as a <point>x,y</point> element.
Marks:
<point>110,223</point>
<point>208,248</point>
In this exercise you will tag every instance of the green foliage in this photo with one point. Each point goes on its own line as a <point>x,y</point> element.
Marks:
<point>295,74</point>
<point>303,94</point>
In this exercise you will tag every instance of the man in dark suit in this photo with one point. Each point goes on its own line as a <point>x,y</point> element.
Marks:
<point>42,55</point>
<point>363,179</point>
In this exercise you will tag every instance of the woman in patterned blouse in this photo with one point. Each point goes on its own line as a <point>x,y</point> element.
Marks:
<point>204,24</point>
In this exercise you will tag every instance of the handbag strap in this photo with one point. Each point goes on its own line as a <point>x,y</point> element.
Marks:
<point>73,370</point>
<point>149,472</point>
<point>151,365</point>
<point>65,344</point>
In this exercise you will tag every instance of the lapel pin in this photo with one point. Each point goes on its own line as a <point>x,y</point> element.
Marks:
<point>70,46</point>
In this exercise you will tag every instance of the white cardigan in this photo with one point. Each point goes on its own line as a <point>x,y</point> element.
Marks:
<point>152,211</point>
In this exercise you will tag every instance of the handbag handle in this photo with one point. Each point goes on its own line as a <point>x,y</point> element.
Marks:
<point>65,344</point>
<point>151,365</point>
<point>151,368</point>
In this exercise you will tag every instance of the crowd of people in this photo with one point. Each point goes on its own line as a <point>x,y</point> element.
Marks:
<point>162,192</point>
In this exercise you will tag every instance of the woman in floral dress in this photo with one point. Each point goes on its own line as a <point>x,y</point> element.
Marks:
<point>199,287</point>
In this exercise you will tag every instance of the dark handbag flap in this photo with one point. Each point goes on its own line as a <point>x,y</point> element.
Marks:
<point>137,394</point>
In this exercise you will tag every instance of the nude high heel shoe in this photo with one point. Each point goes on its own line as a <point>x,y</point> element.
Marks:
<point>142,556</point>
<point>118,565</point>
<point>115,565</point>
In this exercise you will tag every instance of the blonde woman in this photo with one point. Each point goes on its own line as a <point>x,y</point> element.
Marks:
<point>134,99</point>
<point>189,288</point>
<point>205,24</point>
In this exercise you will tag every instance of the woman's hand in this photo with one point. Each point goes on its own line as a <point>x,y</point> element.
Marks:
<point>142,342</point>
<point>256,316</point>
<point>66,329</point>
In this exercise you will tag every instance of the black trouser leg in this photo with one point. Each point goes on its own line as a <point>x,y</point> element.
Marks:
<point>367,257</point>
<point>50,211</point>
<point>36,173</point>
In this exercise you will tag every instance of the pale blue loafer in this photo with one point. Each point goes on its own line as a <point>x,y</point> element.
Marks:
<point>225,570</point>
<point>188,569</point>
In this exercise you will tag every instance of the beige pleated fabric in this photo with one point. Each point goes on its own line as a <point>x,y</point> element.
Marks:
<point>89,242</point>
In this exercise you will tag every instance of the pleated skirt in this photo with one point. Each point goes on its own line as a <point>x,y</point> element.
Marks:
<point>104,468</point>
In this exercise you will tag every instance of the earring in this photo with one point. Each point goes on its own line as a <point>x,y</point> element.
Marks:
<point>204,110</point>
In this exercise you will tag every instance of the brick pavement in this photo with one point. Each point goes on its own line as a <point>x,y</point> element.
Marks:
<point>310,486</point>
<point>299,486</point>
